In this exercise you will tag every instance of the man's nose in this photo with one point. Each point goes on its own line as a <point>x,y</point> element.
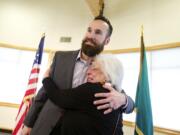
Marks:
<point>91,35</point>
<point>89,71</point>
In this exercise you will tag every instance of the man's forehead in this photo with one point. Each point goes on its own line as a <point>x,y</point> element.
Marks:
<point>98,24</point>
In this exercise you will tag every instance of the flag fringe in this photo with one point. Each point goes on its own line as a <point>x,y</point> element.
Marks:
<point>138,131</point>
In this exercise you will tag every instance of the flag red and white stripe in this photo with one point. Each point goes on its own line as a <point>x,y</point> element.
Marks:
<point>31,90</point>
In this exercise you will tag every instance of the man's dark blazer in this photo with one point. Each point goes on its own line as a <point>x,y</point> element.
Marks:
<point>43,114</point>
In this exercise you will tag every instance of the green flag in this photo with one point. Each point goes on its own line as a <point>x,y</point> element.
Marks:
<point>144,119</point>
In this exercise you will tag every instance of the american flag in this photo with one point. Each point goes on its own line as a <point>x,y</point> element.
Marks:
<point>31,89</point>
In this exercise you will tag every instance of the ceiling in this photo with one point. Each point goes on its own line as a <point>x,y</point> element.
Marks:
<point>111,7</point>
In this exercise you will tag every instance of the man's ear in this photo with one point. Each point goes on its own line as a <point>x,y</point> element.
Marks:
<point>107,40</point>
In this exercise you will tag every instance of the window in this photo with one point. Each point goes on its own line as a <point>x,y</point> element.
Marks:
<point>15,70</point>
<point>163,72</point>
<point>164,76</point>
<point>166,88</point>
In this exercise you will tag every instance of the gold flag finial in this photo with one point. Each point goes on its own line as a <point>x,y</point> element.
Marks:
<point>101,7</point>
<point>43,35</point>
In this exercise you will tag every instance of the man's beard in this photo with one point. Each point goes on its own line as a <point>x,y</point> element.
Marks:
<point>91,50</point>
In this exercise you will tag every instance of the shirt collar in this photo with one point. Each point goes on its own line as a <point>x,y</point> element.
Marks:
<point>78,56</point>
<point>80,59</point>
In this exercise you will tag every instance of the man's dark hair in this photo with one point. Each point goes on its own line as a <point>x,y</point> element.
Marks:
<point>104,19</point>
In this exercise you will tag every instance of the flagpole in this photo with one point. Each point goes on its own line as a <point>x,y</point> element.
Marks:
<point>144,118</point>
<point>142,30</point>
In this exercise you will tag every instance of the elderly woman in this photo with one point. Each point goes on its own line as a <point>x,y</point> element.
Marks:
<point>81,116</point>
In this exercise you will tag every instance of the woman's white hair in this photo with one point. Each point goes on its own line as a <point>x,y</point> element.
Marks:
<point>112,68</point>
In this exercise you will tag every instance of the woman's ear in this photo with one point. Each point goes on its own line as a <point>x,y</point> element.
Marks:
<point>103,82</point>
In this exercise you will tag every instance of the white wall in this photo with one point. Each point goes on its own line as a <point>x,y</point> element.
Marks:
<point>7,117</point>
<point>160,18</point>
<point>22,22</point>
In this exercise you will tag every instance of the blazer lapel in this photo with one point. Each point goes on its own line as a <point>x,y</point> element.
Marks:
<point>64,69</point>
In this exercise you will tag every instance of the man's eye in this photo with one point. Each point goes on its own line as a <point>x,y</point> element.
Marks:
<point>89,29</point>
<point>98,32</point>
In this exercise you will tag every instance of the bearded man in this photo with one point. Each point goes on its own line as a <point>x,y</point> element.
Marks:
<point>68,70</point>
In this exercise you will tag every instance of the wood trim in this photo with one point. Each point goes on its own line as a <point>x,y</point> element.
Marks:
<point>150,48</point>
<point>156,129</point>
<point>5,45</point>
<point>5,130</point>
<point>167,131</point>
<point>12,105</point>
<point>128,50</point>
